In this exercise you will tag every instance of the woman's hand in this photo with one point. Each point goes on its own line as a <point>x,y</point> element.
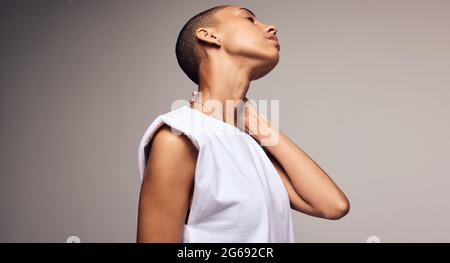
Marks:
<point>257,124</point>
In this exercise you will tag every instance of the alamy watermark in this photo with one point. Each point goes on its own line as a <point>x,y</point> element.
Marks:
<point>238,116</point>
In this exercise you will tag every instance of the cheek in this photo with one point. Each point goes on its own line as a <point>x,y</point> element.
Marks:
<point>245,40</point>
<point>257,47</point>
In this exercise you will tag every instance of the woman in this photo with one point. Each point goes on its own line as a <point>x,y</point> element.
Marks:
<point>210,177</point>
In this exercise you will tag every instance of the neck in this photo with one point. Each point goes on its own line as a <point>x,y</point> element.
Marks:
<point>222,86</point>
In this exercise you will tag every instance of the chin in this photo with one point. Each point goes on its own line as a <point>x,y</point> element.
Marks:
<point>264,68</point>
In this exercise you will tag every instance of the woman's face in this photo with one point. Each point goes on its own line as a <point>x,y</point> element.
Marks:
<point>246,38</point>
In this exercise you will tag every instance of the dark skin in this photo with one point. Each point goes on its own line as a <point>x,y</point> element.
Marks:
<point>240,49</point>
<point>166,189</point>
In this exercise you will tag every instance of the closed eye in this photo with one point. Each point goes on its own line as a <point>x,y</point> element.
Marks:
<point>251,19</point>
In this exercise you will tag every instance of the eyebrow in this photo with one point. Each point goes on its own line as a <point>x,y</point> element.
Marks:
<point>243,8</point>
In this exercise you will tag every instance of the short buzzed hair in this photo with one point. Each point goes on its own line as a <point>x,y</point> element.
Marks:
<point>186,47</point>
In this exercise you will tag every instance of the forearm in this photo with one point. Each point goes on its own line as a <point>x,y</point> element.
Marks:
<point>309,180</point>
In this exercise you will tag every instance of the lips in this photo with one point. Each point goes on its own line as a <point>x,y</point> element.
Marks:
<point>274,38</point>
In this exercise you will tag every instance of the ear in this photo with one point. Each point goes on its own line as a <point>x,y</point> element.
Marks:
<point>208,36</point>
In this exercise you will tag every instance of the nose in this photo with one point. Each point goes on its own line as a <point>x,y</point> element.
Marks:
<point>271,28</point>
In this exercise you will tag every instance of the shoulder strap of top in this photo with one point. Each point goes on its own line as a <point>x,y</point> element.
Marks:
<point>178,120</point>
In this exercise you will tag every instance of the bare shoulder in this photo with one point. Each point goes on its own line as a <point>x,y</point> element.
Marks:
<point>170,149</point>
<point>166,187</point>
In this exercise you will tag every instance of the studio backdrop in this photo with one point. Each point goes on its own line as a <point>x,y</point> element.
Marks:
<point>363,87</point>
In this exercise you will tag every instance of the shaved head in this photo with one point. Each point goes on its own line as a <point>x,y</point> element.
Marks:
<point>186,50</point>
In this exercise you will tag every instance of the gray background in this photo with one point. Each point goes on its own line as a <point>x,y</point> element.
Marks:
<point>363,89</point>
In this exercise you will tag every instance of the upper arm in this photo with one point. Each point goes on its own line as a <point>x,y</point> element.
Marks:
<point>166,186</point>
<point>296,201</point>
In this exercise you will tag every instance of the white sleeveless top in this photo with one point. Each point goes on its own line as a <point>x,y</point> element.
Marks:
<point>238,194</point>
